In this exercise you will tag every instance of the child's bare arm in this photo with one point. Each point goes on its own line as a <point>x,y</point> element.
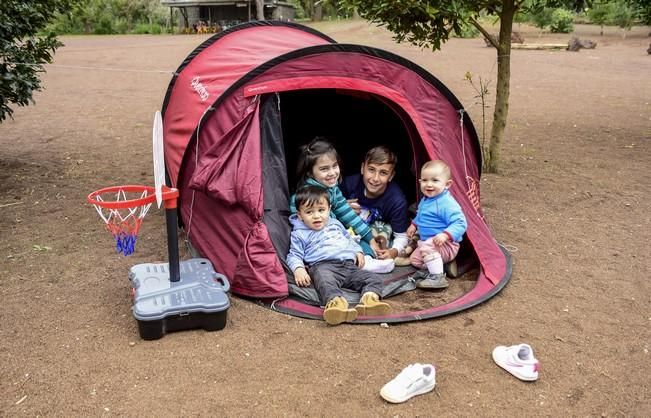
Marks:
<point>411,231</point>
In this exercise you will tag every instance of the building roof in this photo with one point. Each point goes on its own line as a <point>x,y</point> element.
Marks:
<point>194,3</point>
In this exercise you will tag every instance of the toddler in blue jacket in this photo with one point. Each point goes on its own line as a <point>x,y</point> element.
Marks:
<point>321,245</point>
<point>440,223</point>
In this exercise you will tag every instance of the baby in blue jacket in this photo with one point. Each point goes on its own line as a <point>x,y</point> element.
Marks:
<point>440,223</point>
<point>321,245</point>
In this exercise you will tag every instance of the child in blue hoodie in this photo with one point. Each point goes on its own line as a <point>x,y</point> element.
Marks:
<point>440,223</point>
<point>321,245</point>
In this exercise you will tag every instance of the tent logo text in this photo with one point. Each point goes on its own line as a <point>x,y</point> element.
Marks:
<point>201,90</point>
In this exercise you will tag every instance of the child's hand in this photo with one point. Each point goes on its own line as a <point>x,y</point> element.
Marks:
<point>360,260</point>
<point>374,245</point>
<point>387,254</point>
<point>440,239</point>
<point>354,205</point>
<point>411,231</point>
<point>302,278</point>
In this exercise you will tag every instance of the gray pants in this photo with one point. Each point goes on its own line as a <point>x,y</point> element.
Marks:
<point>329,277</point>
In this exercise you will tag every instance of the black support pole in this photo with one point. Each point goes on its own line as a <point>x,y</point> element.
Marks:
<point>173,244</point>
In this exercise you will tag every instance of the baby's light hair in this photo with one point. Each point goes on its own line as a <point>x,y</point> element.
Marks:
<point>437,164</point>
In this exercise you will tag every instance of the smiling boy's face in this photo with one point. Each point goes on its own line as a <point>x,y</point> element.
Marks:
<point>316,215</point>
<point>376,178</point>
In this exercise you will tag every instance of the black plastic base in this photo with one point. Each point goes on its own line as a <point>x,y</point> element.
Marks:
<point>153,330</point>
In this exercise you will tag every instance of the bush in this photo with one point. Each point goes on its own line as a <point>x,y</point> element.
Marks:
<point>120,26</point>
<point>144,28</point>
<point>542,17</point>
<point>104,26</point>
<point>600,13</point>
<point>622,15</point>
<point>562,21</point>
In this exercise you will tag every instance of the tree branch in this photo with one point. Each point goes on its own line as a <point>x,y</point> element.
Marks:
<point>483,31</point>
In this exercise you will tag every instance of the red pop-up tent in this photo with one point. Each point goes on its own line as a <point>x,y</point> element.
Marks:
<point>242,103</point>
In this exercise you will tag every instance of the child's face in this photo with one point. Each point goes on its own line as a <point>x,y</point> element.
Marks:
<point>315,216</point>
<point>433,181</point>
<point>326,170</point>
<point>376,178</point>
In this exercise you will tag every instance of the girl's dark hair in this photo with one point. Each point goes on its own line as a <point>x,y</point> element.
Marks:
<point>309,153</point>
<point>309,195</point>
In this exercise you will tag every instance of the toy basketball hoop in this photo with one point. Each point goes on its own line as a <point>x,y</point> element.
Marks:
<point>122,208</point>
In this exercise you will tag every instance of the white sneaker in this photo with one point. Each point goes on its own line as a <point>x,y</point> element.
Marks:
<point>378,266</point>
<point>415,379</point>
<point>517,360</point>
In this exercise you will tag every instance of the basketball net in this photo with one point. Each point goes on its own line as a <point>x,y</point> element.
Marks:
<point>122,208</point>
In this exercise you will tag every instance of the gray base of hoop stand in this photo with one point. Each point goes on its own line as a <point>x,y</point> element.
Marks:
<point>197,300</point>
<point>178,295</point>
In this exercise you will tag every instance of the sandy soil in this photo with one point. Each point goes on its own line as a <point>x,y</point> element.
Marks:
<point>571,203</point>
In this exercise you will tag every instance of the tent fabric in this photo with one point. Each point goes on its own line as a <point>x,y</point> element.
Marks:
<point>213,67</point>
<point>225,147</point>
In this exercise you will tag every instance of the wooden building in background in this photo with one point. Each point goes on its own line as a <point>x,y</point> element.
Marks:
<point>217,15</point>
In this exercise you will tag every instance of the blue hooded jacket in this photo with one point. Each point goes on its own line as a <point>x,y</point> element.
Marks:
<point>441,213</point>
<point>309,246</point>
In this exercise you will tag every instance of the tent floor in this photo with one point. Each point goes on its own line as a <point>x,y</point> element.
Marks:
<point>411,305</point>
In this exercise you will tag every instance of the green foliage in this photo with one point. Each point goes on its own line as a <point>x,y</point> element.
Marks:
<point>541,17</point>
<point>600,13</point>
<point>467,31</point>
<point>423,23</point>
<point>562,21</point>
<point>104,26</point>
<point>146,28</point>
<point>111,16</point>
<point>24,50</point>
<point>300,11</point>
<point>622,15</point>
<point>641,10</point>
<point>521,17</point>
<point>334,9</point>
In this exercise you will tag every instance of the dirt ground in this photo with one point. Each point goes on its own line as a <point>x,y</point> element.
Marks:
<point>571,203</point>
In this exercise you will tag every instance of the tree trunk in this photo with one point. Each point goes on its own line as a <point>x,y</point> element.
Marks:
<point>318,13</point>
<point>491,164</point>
<point>259,9</point>
<point>184,13</point>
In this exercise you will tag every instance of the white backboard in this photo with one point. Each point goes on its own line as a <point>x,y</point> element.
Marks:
<point>159,158</point>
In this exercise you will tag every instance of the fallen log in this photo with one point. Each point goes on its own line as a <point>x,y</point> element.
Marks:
<point>538,46</point>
